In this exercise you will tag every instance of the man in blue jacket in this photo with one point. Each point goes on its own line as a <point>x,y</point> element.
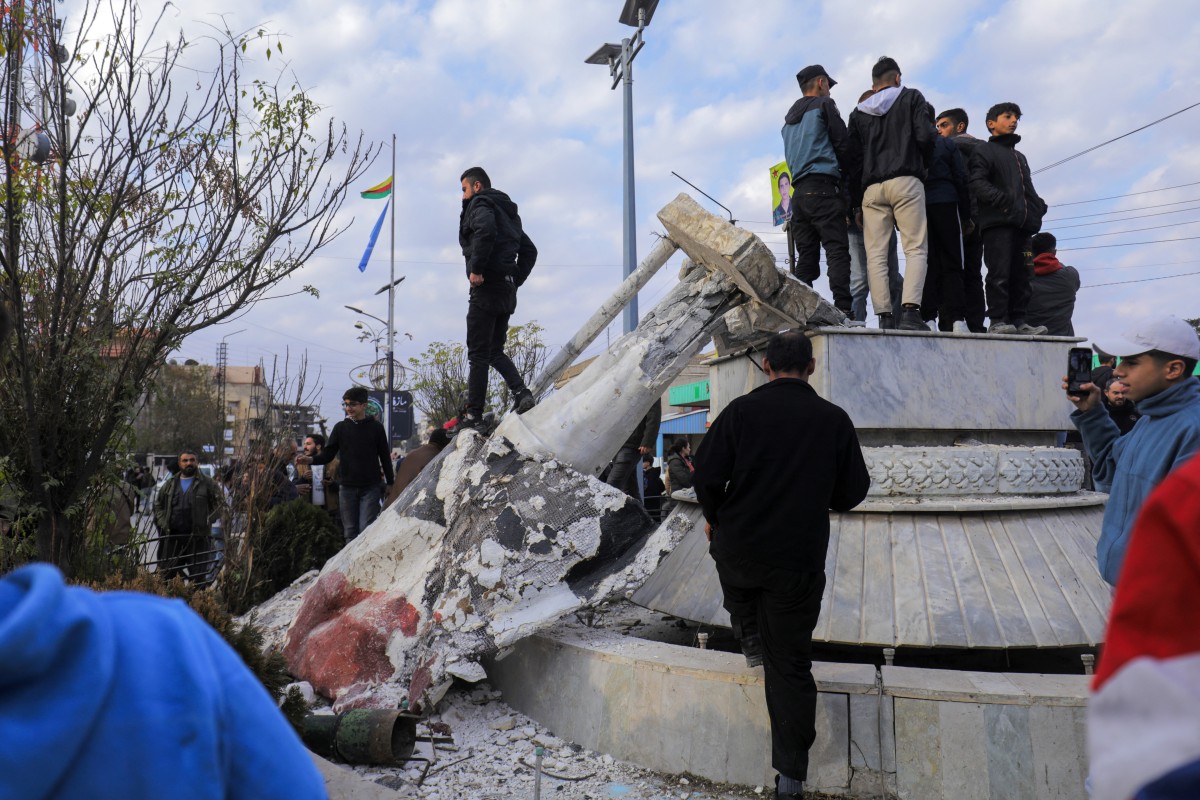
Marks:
<point>817,149</point>
<point>124,696</point>
<point>1158,356</point>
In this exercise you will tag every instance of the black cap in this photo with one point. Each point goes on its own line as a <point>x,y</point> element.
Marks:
<point>815,71</point>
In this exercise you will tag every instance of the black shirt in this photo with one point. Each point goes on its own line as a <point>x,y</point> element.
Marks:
<point>769,470</point>
<point>364,452</point>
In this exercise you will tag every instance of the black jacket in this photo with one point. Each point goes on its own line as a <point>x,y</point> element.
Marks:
<point>363,450</point>
<point>1052,300</point>
<point>947,178</point>
<point>891,135</point>
<point>769,470</point>
<point>1003,188</point>
<point>492,239</point>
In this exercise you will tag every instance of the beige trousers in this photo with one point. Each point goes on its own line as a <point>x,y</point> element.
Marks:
<point>899,202</point>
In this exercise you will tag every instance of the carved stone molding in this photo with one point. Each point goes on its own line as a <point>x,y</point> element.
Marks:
<point>984,470</point>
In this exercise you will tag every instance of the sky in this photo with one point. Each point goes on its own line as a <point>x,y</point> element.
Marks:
<point>503,84</point>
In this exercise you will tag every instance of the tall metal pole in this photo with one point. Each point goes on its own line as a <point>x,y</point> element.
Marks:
<point>391,325</point>
<point>630,317</point>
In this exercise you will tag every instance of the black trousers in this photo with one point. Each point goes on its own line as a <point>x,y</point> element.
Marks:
<point>1008,276</point>
<point>488,313</point>
<point>943,295</point>
<point>973,282</point>
<point>819,219</point>
<point>624,473</point>
<point>783,605</point>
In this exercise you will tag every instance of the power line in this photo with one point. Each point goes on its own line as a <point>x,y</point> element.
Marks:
<point>1141,280</point>
<point>1124,219</point>
<point>1131,230</point>
<point>1119,196</point>
<point>1131,244</point>
<point>1115,139</point>
<point>1123,210</point>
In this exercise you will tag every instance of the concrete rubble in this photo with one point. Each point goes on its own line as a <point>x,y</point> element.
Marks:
<point>500,537</point>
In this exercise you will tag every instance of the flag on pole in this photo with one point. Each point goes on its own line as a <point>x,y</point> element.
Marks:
<point>362,265</point>
<point>379,191</point>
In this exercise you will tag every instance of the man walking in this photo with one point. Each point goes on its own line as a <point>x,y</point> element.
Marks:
<point>893,132</point>
<point>184,510</point>
<point>1158,356</point>
<point>364,462</point>
<point>767,473</point>
<point>499,258</point>
<point>817,150</point>
<point>1010,211</point>
<point>952,124</point>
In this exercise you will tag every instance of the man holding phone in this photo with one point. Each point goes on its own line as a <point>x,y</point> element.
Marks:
<point>1158,356</point>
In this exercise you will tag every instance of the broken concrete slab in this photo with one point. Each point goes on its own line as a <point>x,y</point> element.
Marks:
<point>500,537</point>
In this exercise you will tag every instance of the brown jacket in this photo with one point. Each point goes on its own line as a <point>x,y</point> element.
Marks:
<point>410,468</point>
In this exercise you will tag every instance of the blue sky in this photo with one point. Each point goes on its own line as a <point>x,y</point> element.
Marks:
<point>503,84</point>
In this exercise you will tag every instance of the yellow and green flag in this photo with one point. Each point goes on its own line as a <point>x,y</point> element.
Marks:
<point>379,191</point>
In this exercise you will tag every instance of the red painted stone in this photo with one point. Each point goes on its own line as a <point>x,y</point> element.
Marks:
<point>340,635</point>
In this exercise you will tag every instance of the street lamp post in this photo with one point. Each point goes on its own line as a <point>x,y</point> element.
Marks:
<point>390,326</point>
<point>619,60</point>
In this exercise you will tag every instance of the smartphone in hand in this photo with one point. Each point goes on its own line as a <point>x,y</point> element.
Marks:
<point>1079,371</point>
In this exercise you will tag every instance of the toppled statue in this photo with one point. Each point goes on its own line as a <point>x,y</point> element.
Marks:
<point>501,536</point>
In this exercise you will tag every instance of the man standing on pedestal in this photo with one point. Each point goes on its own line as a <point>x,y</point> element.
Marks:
<point>817,150</point>
<point>499,258</point>
<point>892,132</point>
<point>767,473</point>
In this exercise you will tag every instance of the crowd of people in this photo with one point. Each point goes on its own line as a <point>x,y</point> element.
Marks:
<point>957,202</point>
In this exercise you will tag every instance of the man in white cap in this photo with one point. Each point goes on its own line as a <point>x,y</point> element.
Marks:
<point>1158,356</point>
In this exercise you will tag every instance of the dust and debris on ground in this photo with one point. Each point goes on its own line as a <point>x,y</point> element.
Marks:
<point>482,749</point>
<point>492,754</point>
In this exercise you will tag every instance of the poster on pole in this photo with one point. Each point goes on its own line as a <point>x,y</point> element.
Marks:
<point>402,412</point>
<point>318,484</point>
<point>781,193</point>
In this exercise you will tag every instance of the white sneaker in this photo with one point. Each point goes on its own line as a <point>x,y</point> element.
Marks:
<point>961,326</point>
<point>933,325</point>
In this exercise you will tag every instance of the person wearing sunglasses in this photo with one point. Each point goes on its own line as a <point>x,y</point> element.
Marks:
<point>361,445</point>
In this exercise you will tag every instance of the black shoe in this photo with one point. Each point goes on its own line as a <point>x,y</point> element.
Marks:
<point>524,401</point>
<point>910,320</point>
<point>786,795</point>
<point>467,420</point>
<point>886,323</point>
<point>752,650</point>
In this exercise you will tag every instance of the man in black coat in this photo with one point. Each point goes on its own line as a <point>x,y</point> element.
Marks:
<point>891,134</point>
<point>767,473</point>
<point>1009,212</point>
<point>499,258</point>
<point>952,124</point>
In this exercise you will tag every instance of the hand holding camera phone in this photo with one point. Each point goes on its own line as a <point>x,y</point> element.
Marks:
<point>1079,371</point>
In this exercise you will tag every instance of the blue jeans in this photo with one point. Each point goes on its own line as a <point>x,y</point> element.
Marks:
<point>360,507</point>
<point>858,276</point>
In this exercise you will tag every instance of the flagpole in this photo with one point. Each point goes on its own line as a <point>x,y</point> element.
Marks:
<point>391,378</point>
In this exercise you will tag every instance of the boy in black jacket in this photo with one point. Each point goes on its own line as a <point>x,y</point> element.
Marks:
<point>1009,212</point>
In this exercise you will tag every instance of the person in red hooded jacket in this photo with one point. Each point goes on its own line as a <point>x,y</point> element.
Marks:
<point>1053,288</point>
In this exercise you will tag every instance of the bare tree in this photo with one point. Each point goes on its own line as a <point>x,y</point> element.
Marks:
<point>152,188</point>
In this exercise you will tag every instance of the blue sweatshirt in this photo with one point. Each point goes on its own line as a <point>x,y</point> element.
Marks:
<point>1129,467</point>
<point>123,695</point>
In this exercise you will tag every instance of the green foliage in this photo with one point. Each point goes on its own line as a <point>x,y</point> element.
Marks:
<point>439,375</point>
<point>290,540</point>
